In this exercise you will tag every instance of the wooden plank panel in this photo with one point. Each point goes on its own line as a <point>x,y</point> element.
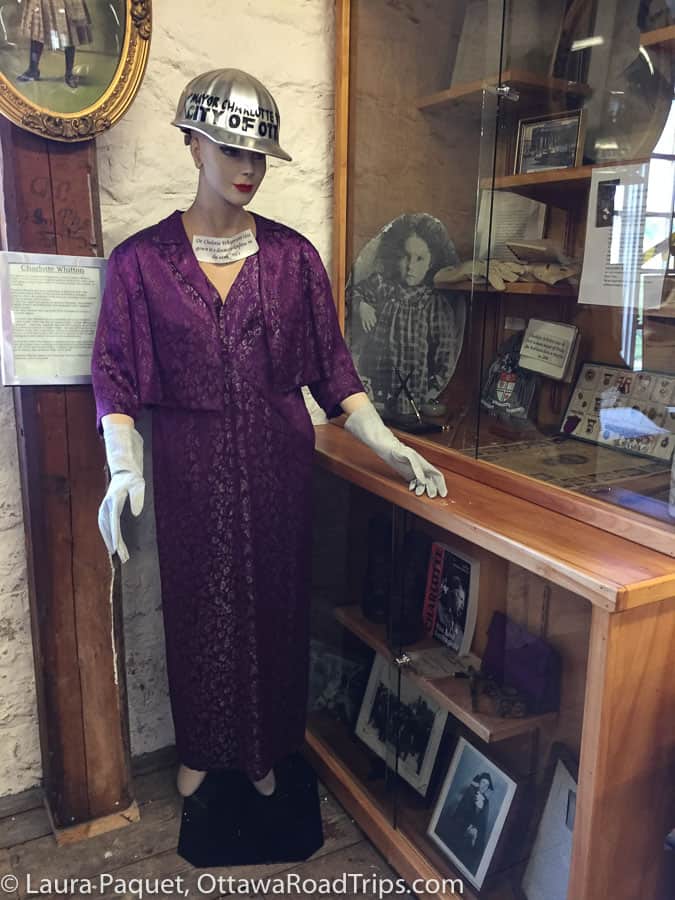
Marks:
<point>341,159</point>
<point>50,204</point>
<point>100,645</point>
<point>43,452</point>
<point>596,565</point>
<point>626,803</point>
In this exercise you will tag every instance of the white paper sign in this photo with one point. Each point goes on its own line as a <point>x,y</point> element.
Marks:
<point>618,269</point>
<point>49,306</point>
<point>224,250</point>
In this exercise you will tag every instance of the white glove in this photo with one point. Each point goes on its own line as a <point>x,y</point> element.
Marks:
<point>366,425</point>
<point>497,272</point>
<point>124,452</point>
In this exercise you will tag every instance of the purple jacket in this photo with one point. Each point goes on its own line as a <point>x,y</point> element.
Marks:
<point>157,340</point>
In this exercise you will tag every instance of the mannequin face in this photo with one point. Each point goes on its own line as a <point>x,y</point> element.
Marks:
<point>415,260</point>
<point>223,169</point>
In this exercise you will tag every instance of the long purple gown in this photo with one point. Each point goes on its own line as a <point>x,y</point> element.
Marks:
<point>232,457</point>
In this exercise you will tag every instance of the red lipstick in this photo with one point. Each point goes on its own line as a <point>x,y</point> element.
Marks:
<point>244,188</point>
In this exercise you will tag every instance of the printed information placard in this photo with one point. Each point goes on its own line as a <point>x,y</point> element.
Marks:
<point>49,306</point>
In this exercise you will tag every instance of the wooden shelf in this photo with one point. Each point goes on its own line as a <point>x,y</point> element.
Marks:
<point>450,693</point>
<point>658,37</point>
<point>533,288</point>
<point>472,91</point>
<point>559,187</point>
<point>606,568</point>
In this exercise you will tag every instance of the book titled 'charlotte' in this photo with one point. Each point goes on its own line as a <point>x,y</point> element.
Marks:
<point>451,598</point>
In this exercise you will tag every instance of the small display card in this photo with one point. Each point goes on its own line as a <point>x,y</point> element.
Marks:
<point>224,250</point>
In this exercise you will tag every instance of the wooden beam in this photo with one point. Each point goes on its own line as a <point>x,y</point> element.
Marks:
<point>50,205</point>
<point>341,160</point>
<point>626,803</point>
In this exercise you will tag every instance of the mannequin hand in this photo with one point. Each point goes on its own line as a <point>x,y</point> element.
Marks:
<point>124,452</point>
<point>368,317</point>
<point>366,425</point>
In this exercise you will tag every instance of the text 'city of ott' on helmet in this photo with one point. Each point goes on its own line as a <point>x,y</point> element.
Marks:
<point>231,108</point>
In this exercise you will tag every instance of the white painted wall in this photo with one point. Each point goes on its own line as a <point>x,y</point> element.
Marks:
<point>145,173</point>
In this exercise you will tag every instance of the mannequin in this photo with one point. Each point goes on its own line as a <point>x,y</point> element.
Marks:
<point>220,351</point>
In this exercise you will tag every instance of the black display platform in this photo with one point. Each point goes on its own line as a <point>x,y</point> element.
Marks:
<point>226,822</point>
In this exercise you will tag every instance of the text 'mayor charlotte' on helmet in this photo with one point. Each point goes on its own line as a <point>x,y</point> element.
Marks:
<point>233,109</point>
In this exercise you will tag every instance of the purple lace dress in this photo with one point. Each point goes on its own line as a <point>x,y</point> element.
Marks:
<point>232,458</point>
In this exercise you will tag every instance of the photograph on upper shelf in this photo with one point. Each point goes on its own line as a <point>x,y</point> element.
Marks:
<point>471,812</point>
<point>549,142</point>
<point>547,872</point>
<point>451,598</point>
<point>405,335</point>
<point>407,722</point>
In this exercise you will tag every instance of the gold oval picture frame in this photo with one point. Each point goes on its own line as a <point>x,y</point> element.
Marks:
<point>69,69</point>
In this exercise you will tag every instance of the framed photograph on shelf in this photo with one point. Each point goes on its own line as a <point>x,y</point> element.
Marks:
<point>471,812</point>
<point>547,872</point>
<point>410,722</point>
<point>549,142</point>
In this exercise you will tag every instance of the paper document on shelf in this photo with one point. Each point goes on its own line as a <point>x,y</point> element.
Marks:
<point>514,218</point>
<point>618,269</point>
<point>49,307</point>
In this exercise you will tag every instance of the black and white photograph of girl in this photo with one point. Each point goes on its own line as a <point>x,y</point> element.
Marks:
<point>406,336</point>
<point>410,724</point>
<point>471,811</point>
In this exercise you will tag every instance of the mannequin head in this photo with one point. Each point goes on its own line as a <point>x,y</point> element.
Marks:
<point>224,171</point>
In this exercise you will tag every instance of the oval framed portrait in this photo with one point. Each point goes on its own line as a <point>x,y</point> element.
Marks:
<point>70,68</point>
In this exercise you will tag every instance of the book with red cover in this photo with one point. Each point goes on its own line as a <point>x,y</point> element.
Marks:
<point>451,598</point>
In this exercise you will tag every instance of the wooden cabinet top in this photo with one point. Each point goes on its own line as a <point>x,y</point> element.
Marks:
<point>607,569</point>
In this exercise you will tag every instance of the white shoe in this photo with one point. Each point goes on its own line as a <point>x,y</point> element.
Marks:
<point>266,785</point>
<point>188,780</point>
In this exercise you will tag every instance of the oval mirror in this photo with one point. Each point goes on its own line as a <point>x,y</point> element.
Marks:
<point>70,68</point>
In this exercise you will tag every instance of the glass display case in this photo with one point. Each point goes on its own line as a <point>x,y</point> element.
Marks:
<point>490,690</point>
<point>505,176</point>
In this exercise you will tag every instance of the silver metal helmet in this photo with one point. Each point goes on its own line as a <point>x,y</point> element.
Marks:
<point>233,109</point>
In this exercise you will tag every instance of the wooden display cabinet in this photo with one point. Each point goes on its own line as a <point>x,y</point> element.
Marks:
<point>604,602</point>
<point>588,565</point>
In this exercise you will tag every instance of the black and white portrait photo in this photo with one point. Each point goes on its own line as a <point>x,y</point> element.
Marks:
<point>413,723</point>
<point>405,335</point>
<point>471,811</point>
